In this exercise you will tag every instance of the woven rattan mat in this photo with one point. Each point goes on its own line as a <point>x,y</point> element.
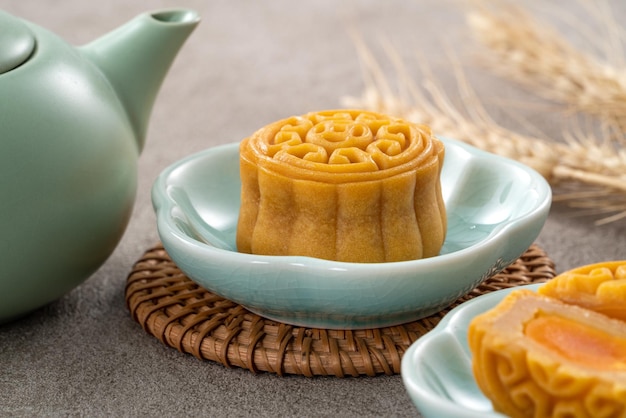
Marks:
<point>182,315</point>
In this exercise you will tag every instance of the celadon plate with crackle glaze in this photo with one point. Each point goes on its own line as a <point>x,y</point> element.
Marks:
<point>437,368</point>
<point>496,208</point>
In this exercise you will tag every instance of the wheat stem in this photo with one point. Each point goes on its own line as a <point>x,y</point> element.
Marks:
<point>582,159</point>
<point>539,58</point>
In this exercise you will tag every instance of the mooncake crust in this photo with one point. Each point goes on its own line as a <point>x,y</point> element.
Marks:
<point>600,287</point>
<point>524,377</point>
<point>345,185</point>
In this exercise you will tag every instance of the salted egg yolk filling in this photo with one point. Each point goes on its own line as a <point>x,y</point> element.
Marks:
<point>578,342</point>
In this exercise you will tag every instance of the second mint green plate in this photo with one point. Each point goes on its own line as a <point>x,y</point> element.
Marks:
<point>437,368</point>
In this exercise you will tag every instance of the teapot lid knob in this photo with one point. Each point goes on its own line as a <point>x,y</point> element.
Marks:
<point>17,42</point>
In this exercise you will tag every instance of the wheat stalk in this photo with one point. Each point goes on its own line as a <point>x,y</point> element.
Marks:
<point>581,160</point>
<point>429,104</point>
<point>538,57</point>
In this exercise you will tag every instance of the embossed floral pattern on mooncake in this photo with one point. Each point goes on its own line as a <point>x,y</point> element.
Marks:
<point>600,287</point>
<point>346,185</point>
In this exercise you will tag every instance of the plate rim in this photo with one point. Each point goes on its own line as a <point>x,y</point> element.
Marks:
<point>425,397</point>
<point>163,205</point>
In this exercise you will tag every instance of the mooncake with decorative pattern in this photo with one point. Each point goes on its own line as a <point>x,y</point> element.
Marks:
<point>600,287</point>
<point>536,356</point>
<point>344,185</point>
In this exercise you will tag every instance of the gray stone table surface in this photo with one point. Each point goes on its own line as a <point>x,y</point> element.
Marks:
<point>247,64</point>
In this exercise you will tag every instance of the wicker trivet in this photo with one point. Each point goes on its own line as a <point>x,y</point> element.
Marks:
<point>193,320</point>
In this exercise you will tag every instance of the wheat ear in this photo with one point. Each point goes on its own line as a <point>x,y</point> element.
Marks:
<point>581,160</point>
<point>536,56</point>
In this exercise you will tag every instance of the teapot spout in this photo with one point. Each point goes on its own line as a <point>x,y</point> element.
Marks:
<point>136,57</point>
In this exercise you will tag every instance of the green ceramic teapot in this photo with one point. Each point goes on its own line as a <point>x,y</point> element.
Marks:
<point>72,125</point>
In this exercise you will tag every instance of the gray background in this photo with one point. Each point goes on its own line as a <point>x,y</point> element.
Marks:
<point>247,64</point>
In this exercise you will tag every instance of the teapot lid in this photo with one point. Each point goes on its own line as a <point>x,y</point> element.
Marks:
<point>17,42</point>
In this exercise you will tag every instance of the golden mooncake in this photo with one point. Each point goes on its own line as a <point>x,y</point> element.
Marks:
<point>345,185</point>
<point>535,356</point>
<point>600,287</point>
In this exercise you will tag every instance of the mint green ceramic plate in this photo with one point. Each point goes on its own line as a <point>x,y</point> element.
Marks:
<point>437,369</point>
<point>496,209</point>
